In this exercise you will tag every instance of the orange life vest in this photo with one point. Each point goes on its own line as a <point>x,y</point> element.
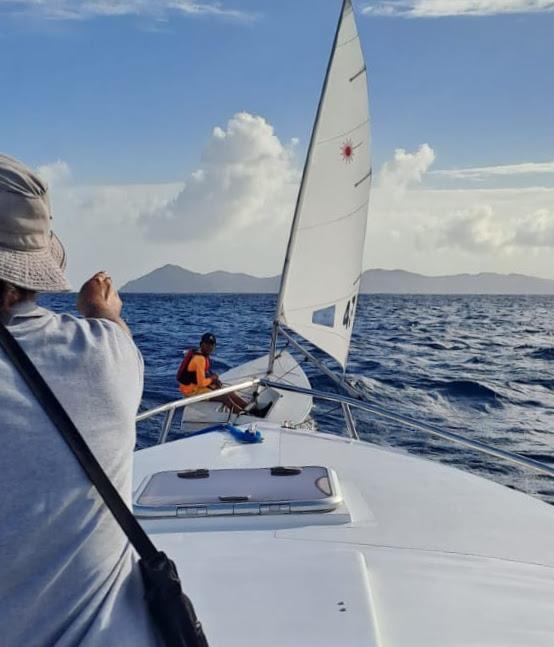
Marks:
<point>186,377</point>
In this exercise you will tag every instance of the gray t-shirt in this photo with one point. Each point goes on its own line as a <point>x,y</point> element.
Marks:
<point>68,575</point>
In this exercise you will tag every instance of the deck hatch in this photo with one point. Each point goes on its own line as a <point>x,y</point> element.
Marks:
<point>252,491</point>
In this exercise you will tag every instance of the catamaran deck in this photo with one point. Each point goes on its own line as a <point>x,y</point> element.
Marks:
<point>418,554</point>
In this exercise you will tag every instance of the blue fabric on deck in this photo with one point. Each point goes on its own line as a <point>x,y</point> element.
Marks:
<point>243,436</point>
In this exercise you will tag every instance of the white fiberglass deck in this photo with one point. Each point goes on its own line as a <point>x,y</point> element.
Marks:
<point>419,554</point>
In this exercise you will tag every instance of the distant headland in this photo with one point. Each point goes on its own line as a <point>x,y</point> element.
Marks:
<point>172,279</point>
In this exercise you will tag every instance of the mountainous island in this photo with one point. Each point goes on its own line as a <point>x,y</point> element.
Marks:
<point>172,279</point>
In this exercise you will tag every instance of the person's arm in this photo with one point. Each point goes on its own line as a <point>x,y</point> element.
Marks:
<point>198,363</point>
<point>98,299</point>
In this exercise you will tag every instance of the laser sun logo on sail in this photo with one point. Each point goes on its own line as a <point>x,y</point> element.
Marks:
<point>347,150</point>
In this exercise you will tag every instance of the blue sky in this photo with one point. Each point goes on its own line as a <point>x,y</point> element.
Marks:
<point>107,94</point>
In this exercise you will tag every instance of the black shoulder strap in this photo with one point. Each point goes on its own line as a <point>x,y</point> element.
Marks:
<point>124,517</point>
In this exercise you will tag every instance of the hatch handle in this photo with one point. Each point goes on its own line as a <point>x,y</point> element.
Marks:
<point>285,471</point>
<point>194,474</point>
<point>234,499</point>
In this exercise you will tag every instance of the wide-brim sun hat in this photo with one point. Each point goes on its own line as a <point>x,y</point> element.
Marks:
<point>31,255</point>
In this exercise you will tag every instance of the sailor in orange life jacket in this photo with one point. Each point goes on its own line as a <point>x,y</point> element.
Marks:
<point>194,375</point>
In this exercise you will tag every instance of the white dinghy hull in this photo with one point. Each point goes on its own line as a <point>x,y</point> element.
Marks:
<point>285,407</point>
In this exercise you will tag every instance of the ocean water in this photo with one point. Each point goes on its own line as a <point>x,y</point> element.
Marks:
<point>482,366</point>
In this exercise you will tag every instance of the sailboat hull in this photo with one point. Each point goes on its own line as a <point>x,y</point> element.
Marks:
<point>292,408</point>
<point>418,554</point>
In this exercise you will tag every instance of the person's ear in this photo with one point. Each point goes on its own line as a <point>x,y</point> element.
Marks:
<point>9,296</point>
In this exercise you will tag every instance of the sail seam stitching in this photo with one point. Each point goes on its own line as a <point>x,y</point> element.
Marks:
<point>347,132</point>
<point>330,222</point>
<point>346,42</point>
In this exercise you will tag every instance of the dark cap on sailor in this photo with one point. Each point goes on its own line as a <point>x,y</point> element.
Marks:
<point>208,338</point>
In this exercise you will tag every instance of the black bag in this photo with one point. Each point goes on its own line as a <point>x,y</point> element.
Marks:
<point>171,610</point>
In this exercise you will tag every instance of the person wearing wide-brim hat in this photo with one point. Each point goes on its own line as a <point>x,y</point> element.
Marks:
<point>68,573</point>
<point>32,257</point>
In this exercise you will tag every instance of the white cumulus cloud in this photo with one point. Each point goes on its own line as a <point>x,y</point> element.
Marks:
<point>247,180</point>
<point>447,231</point>
<point>535,230</point>
<point>55,174</point>
<point>234,213</point>
<point>475,229</point>
<point>493,228</point>
<point>504,170</point>
<point>405,169</point>
<point>444,8</point>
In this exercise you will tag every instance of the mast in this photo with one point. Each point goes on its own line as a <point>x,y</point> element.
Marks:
<point>300,198</point>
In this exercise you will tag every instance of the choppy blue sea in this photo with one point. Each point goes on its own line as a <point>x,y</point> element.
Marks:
<point>477,365</point>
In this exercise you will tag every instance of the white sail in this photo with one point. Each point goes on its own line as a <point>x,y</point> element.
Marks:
<point>323,267</point>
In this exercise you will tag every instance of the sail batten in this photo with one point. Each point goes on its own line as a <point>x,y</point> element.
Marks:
<point>320,281</point>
